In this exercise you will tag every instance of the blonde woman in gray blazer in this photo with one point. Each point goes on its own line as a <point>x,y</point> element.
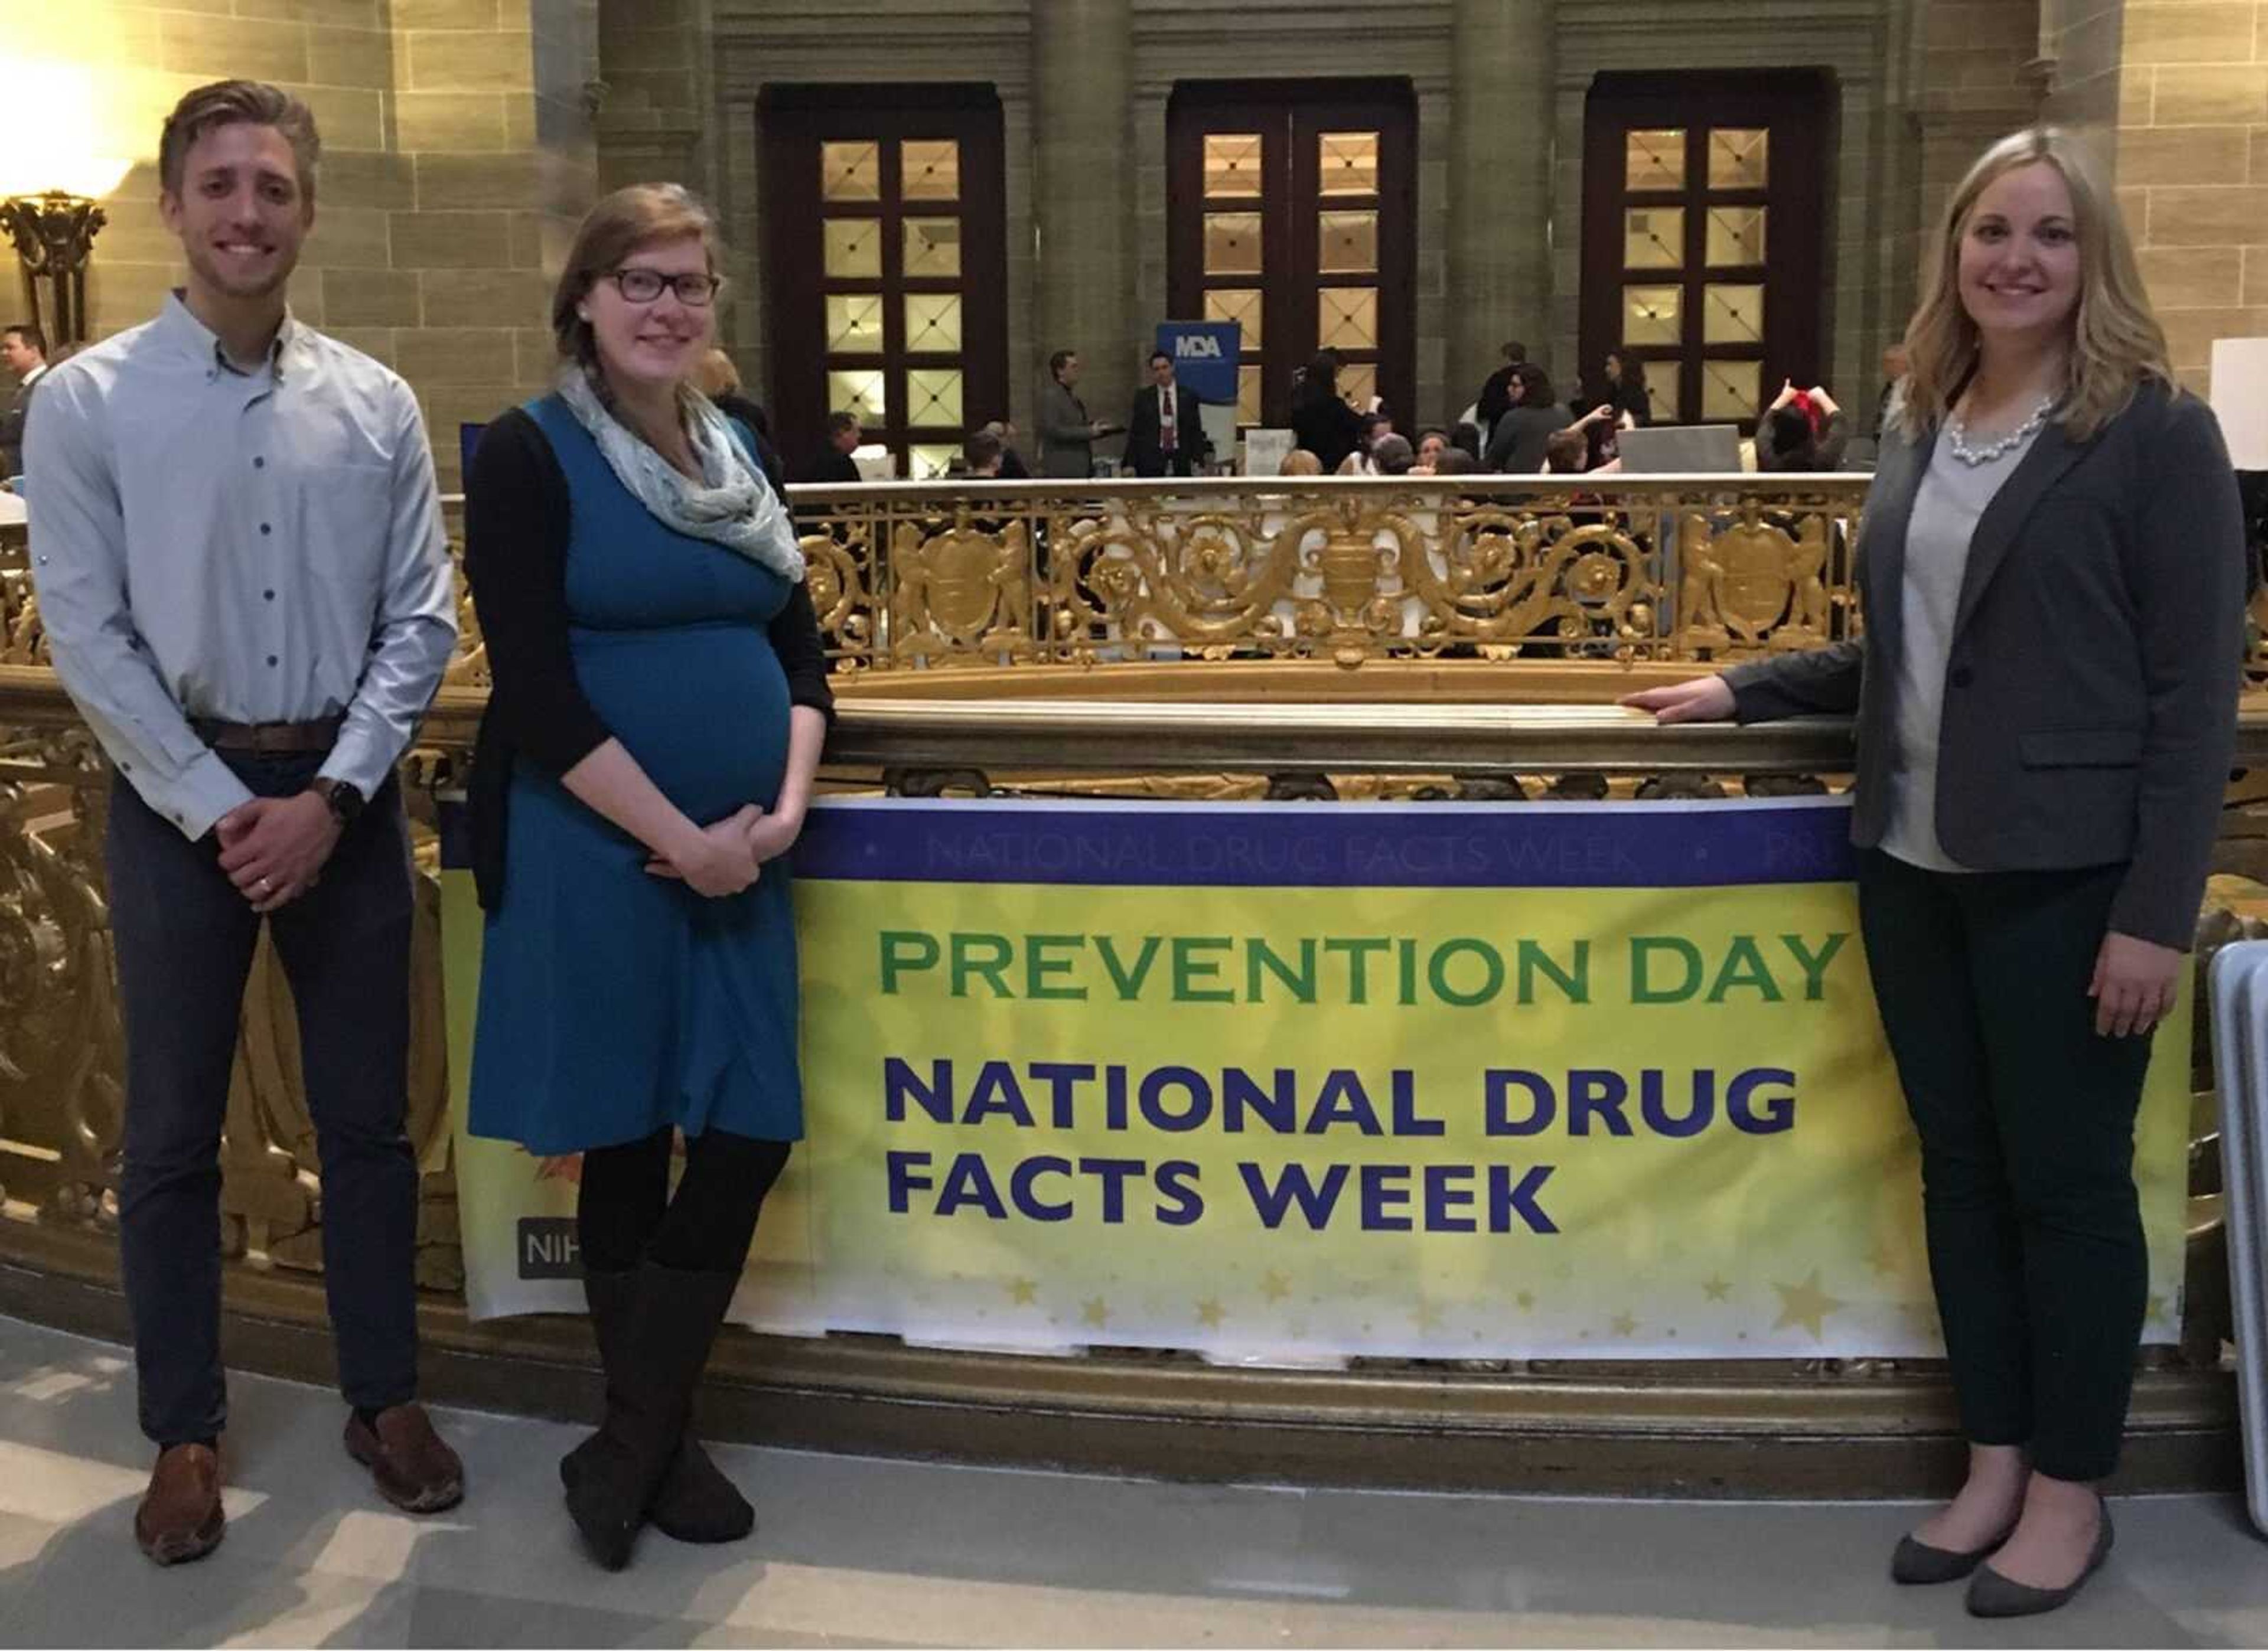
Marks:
<point>2052,569</point>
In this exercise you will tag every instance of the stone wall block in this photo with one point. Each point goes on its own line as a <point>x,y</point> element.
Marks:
<point>456,356</point>
<point>372,298</point>
<point>451,240</point>
<point>498,61</point>
<point>215,48</point>
<point>466,122</point>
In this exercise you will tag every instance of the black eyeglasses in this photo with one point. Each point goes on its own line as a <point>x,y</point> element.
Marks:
<point>643,286</point>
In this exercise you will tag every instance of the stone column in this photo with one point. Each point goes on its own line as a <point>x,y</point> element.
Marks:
<point>1082,90</point>
<point>1502,54</point>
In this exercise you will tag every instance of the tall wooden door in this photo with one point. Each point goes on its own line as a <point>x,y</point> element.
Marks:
<point>885,266</point>
<point>1291,209</point>
<point>1705,236</point>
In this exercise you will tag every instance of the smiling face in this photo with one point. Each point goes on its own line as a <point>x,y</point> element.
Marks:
<point>242,212</point>
<point>2019,260</point>
<point>658,343</point>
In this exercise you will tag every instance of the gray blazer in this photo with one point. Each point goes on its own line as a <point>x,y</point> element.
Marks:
<point>2090,708</point>
<point>1066,443</point>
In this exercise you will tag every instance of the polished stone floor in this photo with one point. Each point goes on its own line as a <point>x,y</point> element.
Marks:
<point>859,1552</point>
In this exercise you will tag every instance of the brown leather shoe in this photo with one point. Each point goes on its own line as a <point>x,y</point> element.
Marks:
<point>410,1465</point>
<point>179,1518</point>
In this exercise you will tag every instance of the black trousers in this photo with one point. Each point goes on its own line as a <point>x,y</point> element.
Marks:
<point>2026,1126</point>
<point>185,940</point>
<point>624,1213</point>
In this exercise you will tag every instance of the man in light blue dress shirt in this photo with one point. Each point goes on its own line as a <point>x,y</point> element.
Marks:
<point>240,562</point>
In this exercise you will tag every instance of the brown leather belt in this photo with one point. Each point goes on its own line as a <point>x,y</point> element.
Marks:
<point>268,739</point>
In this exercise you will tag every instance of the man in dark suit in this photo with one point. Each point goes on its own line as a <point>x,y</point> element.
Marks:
<point>835,465</point>
<point>24,352</point>
<point>1165,433</point>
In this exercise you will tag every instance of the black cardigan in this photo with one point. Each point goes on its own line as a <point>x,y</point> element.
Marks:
<point>516,530</point>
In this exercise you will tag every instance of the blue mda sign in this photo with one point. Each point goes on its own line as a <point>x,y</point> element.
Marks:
<point>1205,355</point>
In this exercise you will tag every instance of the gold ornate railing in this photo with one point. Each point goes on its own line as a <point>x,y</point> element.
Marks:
<point>1341,640</point>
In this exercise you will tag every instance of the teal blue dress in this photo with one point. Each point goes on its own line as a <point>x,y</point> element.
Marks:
<point>612,1003</point>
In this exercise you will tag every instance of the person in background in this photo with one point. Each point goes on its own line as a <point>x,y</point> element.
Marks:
<point>1164,428</point>
<point>835,465</point>
<point>24,352</point>
<point>718,378</point>
<point>1067,435</point>
<point>1300,462</point>
<point>1802,429</point>
<point>1392,455</point>
<point>2052,570</point>
<point>1321,422</point>
<point>237,550</point>
<point>1455,461</point>
<point>1370,428</point>
<point>980,455</point>
<point>636,568</point>
<point>1433,442</point>
<point>1496,398</point>
<point>1013,467</point>
<point>1626,390</point>
<point>1894,372</point>
<point>1517,446</point>
<point>1467,437</point>
<point>1566,453</point>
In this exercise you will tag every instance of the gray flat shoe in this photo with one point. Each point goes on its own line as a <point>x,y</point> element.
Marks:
<point>1915,1564</point>
<point>1993,1595</point>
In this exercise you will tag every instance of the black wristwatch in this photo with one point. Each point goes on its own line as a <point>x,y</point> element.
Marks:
<point>345,802</point>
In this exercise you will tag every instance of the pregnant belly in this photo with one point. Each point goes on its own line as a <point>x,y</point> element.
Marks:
<point>703,708</point>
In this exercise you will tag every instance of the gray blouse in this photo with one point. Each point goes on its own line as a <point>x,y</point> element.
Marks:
<point>1953,495</point>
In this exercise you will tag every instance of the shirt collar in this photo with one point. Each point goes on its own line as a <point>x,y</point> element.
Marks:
<point>199,340</point>
<point>33,377</point>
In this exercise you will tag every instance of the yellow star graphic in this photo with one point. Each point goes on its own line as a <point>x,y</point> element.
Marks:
<point>1805,1304</point>
<point>1210,1313</point>
<point>1023,1292</point>
<point>1525,1300</point>
<point>1622,1324</point>
<point>1274,1286</point>
<point>1097,1312</point>
<point>1716,1289</point>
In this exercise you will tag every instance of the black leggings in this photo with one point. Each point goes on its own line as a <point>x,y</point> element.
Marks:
<point>625,1214</point>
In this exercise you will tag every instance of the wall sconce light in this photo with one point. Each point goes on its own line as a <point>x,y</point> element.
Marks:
<point>53,171</point>
<point>54,235</point>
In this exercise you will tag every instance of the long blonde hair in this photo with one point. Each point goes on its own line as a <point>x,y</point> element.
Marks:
<point>2116,341</point>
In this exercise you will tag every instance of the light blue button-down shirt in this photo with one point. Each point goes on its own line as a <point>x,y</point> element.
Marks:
<point>255,547</point>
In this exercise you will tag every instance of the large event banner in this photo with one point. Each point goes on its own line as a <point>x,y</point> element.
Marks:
<point>1294,1083</point>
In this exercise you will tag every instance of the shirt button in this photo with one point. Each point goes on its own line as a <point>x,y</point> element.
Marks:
<point>265,530</point>
<point>260,464</point>
<point>268,596</point>
<point>271,659</point>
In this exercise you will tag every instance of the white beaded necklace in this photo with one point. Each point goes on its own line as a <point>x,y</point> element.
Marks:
<point>1956,436</point>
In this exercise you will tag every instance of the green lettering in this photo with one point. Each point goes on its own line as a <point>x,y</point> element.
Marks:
<point>1189,968</point>
<point>1814,965</point>
<point>1257,953</point>
<point>1744,965</point>
<point>981,956</point>
<point>1040,967</point>
<point>1130,986</point>
<point>905,950</point>
<point>1575,988</point>
<point>1643,948</point>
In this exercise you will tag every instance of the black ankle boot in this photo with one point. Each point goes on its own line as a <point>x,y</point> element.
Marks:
<point>671,1322</point>
<point>696,1502</point>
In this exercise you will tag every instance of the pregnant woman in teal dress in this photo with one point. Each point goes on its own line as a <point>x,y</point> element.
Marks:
<point>658,706</point>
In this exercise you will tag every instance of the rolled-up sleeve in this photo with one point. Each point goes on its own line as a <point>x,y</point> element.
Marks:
<point>415,629</point>
<point>78,573</point>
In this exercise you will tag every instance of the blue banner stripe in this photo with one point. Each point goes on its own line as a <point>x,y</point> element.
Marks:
<point>1456,846</point>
